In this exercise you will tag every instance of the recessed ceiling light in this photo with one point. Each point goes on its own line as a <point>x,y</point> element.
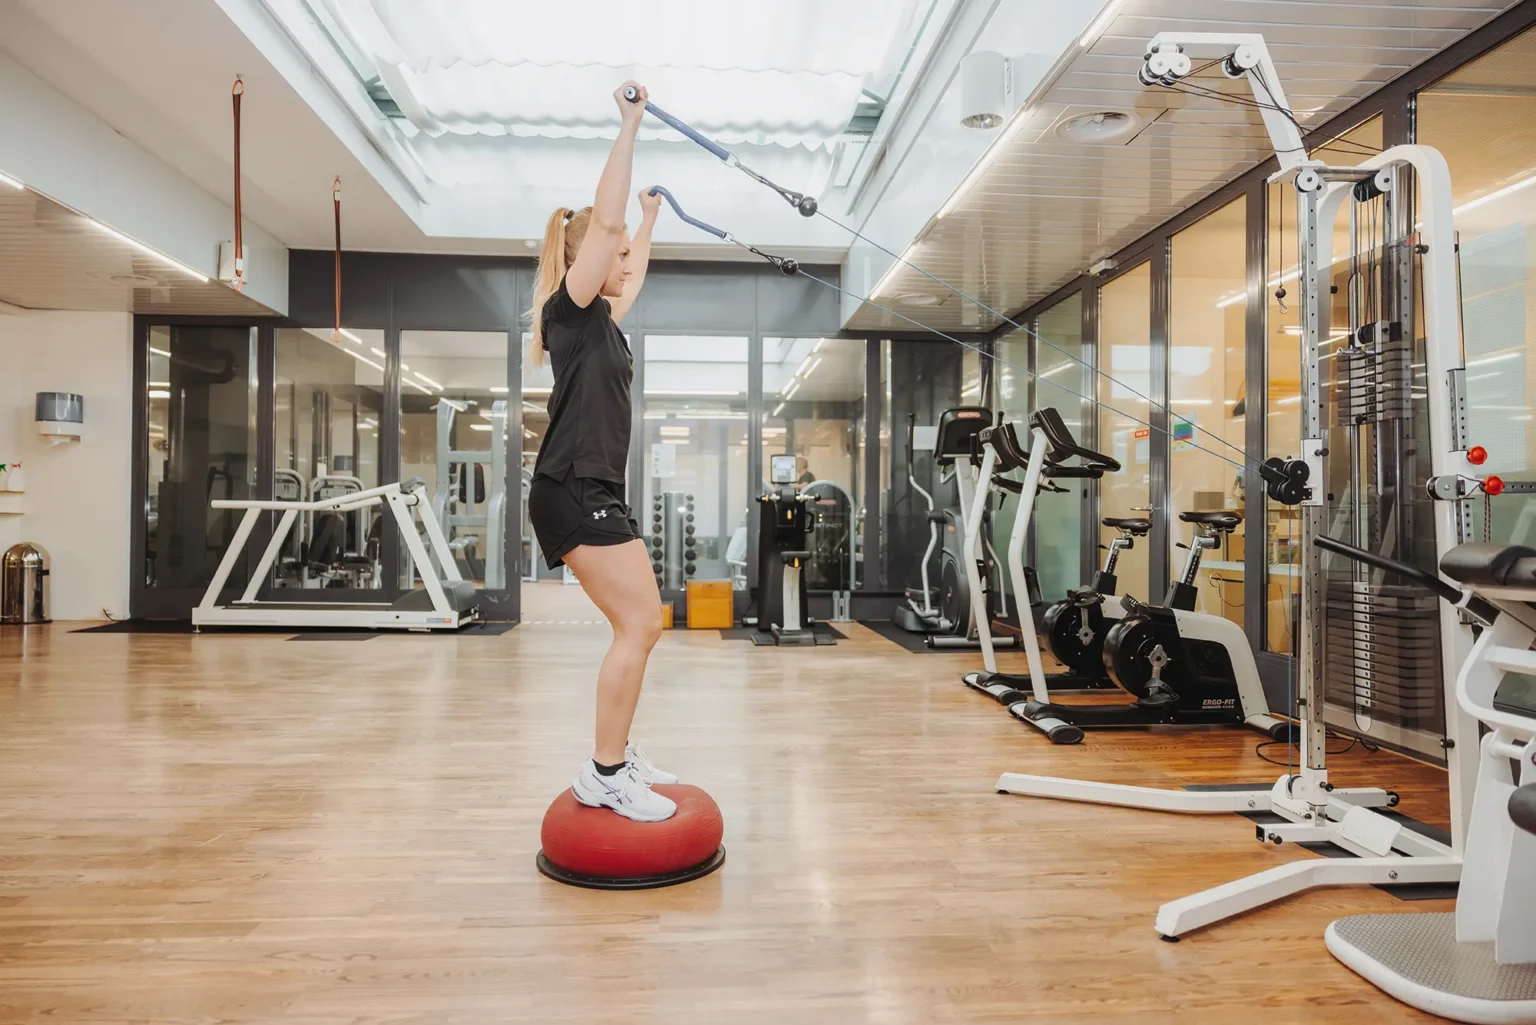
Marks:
<point>531,243</point>
<point>918,299</point>
<point>1101,126</point>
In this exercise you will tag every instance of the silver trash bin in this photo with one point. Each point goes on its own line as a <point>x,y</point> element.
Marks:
<point>24,584</point>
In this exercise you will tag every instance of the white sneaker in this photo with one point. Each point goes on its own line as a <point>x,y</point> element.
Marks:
<point>624,792</point>
<point>634,755</point>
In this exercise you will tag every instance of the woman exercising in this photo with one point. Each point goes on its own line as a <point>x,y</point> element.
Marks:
<point>576,499</point>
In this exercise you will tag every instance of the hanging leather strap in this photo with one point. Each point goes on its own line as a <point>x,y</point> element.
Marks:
<point>336,199</point>
<point>239,282</point>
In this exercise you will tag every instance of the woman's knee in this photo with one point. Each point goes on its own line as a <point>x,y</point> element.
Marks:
<point>641,625</point>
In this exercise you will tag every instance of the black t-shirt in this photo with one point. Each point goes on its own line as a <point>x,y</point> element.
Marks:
<point>589,408</point>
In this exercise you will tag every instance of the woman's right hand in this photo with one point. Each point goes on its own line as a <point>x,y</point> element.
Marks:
<point>630,112</point>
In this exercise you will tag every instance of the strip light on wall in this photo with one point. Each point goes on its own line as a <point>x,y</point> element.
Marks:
<point>890,273</point>
<point>987,158</point>
<point>6,179</point>
<point>1099,24</point>
<point>141,247</point>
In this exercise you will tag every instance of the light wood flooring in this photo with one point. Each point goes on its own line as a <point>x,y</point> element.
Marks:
<point>247,829</point>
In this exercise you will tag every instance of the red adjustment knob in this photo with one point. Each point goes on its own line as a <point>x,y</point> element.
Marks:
<point>1493,485</point>
<point>1477,455</point>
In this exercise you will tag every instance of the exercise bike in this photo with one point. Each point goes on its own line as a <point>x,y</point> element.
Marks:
<point>1180,667</point>
<point>1009,455</point>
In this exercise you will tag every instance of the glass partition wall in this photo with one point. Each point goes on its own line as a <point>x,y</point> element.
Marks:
<point>692,498</point>
<point>1207,400</point>
<point>1124,414</point>
<point>813,408</point>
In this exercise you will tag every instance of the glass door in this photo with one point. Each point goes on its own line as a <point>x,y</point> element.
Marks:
<point>197,442</point>
<point>813,408</point>
<point>694,498</point>
<point>1125,348</point>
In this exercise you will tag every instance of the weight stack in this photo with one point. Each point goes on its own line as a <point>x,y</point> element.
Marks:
<point>1382,654</point>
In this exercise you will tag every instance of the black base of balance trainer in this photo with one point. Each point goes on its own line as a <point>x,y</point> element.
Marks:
<point>682,875</point>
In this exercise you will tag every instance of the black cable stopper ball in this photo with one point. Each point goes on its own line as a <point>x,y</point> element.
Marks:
<point>807,206</point>
<point>789,267</point>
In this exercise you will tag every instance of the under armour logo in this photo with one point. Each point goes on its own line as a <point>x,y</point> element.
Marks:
<point>601,514</point>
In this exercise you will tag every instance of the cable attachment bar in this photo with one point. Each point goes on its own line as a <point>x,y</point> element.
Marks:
<point>799,200</point>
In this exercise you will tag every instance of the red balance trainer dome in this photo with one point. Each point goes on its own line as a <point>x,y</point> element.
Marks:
<point>598,848</point>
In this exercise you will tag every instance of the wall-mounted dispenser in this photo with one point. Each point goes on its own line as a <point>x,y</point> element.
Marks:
<point>60,416</point>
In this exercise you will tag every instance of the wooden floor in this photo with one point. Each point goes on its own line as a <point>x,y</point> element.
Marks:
<point>248,829</point>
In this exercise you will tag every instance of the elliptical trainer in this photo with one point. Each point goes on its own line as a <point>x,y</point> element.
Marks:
<point>922,616</point>
<point>955,452</point>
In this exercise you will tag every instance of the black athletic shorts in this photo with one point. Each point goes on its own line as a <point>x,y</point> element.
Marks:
<point>578,511</point>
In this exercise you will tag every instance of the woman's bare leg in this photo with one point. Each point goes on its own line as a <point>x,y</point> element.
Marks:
<point>621,583</point>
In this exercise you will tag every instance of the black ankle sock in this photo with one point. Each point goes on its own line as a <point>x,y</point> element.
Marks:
<point>606,770</point>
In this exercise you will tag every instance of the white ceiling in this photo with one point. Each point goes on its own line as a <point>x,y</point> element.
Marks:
<point>159,72</point>
<point>1046,208</point>
<point>52,258</point>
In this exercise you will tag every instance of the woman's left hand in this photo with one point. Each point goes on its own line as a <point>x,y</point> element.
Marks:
<point>650,203</point>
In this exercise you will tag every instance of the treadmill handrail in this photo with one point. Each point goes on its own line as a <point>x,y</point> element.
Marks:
<point>339,503</point>
<point>1064,446</point>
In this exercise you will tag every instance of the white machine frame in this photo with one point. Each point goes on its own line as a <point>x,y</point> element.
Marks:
<point>1498,886</point>
<point>973,485</point>
<point>402,499</point>
<point>1388,852</point>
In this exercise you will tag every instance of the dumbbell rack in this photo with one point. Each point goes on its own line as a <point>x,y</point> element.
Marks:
<point>674,544</point>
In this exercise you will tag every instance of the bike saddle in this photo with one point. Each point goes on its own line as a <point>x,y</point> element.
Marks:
<point>1221,519</point>
<point>1083,597</point>
<point>1137,527</point>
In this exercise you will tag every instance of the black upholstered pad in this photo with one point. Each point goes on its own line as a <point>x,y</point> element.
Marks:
<point>1491,564</point>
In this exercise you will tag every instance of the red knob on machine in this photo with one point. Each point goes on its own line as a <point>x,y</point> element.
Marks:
<point>1477,455</point>
<point>1493,485</point>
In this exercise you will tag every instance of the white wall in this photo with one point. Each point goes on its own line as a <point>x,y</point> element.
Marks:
<point>65,152</point>
<point>77,494</point>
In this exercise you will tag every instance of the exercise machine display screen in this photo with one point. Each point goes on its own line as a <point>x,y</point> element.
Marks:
<point>782,469</point>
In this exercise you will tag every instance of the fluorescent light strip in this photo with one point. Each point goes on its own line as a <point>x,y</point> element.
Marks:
<point>1232,300</point>
<point>779,409</point>
<point>495,389</point>
<point>1020,117</point>
<point>890,273</point>
<point>479,427</point>
<point>353,338</point>
<point>1473,204</point>
<point>160,352</point>
<point>429,380</point>
<point>1500,358</point>
<point>689,394</point>
<point>1101,23</point>
<point>159,384</point>
<point>792,389</point>
<point>135,243</point>
<point>157,393</point>
<point>357,356</point>
<point>1189,402</point>
<point>14,183</point>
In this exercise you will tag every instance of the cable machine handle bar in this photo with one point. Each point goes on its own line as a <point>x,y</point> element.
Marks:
<point>657,190</point>
<point>633,95</point>
<point>1452,594</point>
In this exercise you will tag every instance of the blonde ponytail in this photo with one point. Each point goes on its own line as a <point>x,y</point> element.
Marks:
<point>562,239</point>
